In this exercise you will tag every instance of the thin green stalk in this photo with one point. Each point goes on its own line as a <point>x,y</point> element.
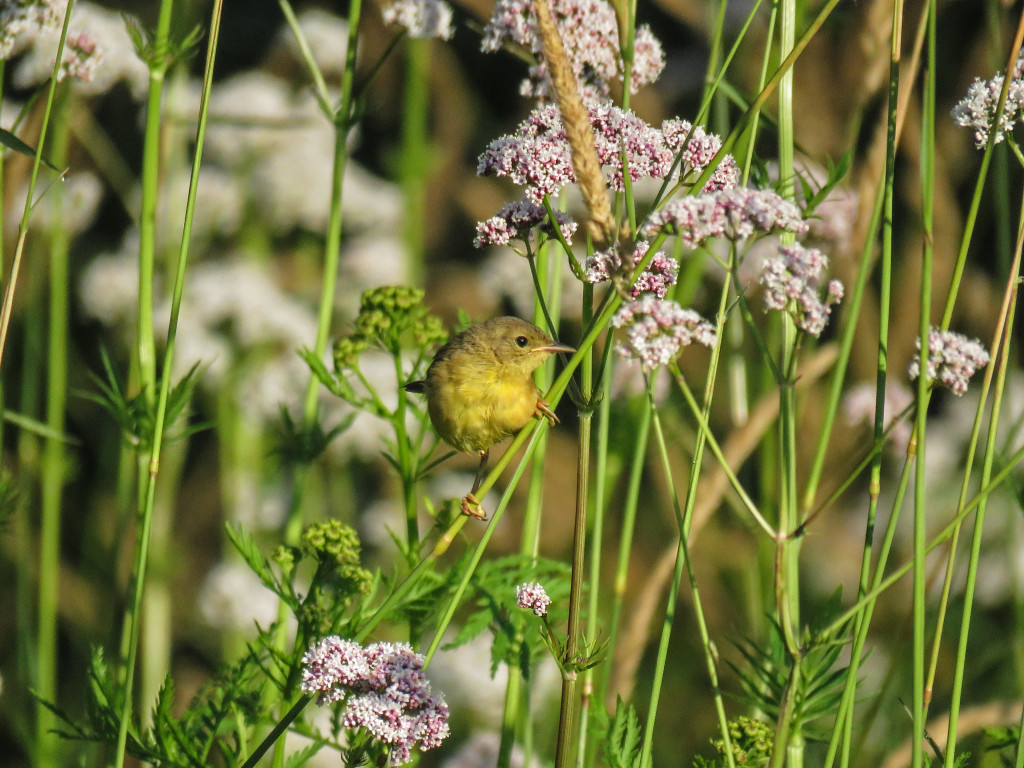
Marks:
<point>145,349</point>
<point>543,315</point>
<point>415,163</point>
<point>920,703</point>
<point>29,391</point>
<point>842,732</point>
<point>408,466</point>
<point>1007,315</point>
<point>511,712</point>
<point>146,523</point>
<point>478,553</point>
<point>342,119</point>
<point>787,574</point>
<point>683,560</point>
<point>53,468</point>
<point>641,430</point>
<point>939,539</point>
<point>979,186</point>
<point>584,752</point>
<point>567,735</point>
<point>19,248</point>
<point>762,97</point>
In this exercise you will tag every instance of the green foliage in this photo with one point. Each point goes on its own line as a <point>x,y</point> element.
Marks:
<point>333,599</point>
<point>302,443</point>
<point>620,741</point>
<point>11,141</point>
<point>494,608</point>
<point>159,56</point>
<point>394,317</point>
<point>768,672</point>
<point>136,416</point>
<point>751,742</point>
<point>835,173</point>
<point>213,722</point>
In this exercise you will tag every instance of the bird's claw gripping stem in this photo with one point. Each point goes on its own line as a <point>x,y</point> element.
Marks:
<point>544,411</point>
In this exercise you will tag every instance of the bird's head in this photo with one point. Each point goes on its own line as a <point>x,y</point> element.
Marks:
<point>518,346</point>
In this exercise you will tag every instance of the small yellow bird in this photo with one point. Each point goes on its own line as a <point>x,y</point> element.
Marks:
<point>480,388</point>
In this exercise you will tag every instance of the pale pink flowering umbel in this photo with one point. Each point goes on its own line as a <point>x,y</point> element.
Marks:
<point>978,108</point>
<point>81,57</point>
<point>590,35</point>
<point>537,155</point>
<point>516,220</point>
<point>700,149</point>
<point>384,690</point>
<point>792,282</point>
<point>533,597</point>
<point>656,279</point>
<point>421,18</point>
<point>20,22</point>
<point>952,359</point>
<point>657,330</point>
<point>735,214</point>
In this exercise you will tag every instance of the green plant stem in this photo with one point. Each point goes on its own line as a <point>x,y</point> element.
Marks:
<point>641,430</point>
<point>762,97</point>
<point>585,753</point>
<point>1003,336</point>
<point>478,553</point>
<point>511,713</point>
<point>53,468</point>
<point>145,349</point>
<point>19,248</point>
<point>146,512</point>
<point>862,621</point>
<point>408,465</point>
<point>682,560</point>
<point>940,538</point>
<point>566,714</point>
<point>920,702</point>
<point>415,152</point>
<point>979,186</point>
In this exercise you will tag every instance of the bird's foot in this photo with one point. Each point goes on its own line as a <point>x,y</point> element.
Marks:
<point>470,506</point>
<point>543,411</point>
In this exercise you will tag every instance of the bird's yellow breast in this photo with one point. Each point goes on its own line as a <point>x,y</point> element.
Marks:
<point>481,405</point>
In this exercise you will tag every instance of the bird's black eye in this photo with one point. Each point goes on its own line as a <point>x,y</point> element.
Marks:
<point>522,341</point>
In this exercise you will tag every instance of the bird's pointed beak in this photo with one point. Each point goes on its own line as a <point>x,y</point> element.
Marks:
<point>556,346</point>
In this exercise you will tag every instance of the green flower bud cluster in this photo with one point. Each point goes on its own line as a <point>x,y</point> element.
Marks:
<point>336,545</point>
<point>390,317</point>
<point>751,741</point>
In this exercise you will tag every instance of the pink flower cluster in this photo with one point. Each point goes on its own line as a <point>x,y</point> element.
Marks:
<point>533,597</point>
<point>515,221</point>
<point>81,57</point>
<point>537,156</point>
<point>384,689</point>
<point>656,279</point>
<point>792,283</point>
<point>657,330</point>
<point>698,148</point>
<point>735,214</point>
<point>977,110</point>
<point>952,359</point>
<point>590,33</point>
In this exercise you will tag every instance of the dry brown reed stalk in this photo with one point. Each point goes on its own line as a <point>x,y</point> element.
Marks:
<point>585,163</point>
